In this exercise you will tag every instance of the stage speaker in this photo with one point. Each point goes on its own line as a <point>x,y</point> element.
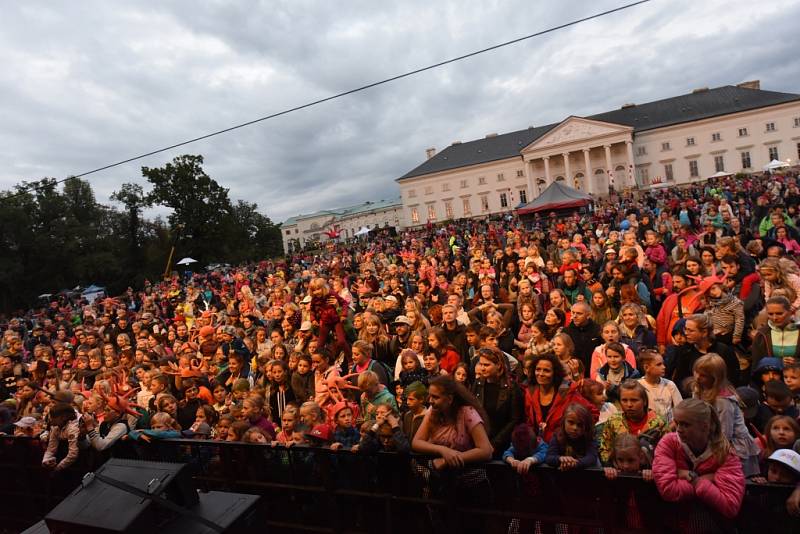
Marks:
<point>98,506</point>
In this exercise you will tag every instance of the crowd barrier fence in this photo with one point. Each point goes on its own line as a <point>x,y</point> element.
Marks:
<point>307,489</point>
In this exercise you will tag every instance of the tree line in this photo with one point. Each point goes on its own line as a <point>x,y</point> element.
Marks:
<point>55,237</point>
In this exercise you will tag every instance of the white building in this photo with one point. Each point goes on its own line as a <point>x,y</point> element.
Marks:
<point>311,228</point>
<point>676,140</point>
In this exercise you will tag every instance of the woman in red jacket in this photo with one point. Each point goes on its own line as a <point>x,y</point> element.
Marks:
<point>549,393</point>
<point>698,462</point>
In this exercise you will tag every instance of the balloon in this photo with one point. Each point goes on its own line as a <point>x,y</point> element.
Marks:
<point>624,225</point>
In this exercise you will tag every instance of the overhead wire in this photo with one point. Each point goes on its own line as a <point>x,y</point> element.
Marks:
<point>35,186</point>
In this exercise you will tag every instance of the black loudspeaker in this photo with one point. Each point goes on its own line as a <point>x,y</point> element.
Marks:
<point>139,496</point>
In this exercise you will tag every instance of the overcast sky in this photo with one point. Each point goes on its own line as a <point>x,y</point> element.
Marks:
<point>85,84</point>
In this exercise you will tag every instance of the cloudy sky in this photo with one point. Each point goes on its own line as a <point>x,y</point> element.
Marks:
<point>85,84</point>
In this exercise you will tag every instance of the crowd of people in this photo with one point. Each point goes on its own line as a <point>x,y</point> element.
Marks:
<point>655,335</point>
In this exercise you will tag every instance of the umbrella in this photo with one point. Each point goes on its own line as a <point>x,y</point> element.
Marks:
<point>364,231</point>
<point>45,295</point>
<point>775,164</point>
<point>186,261</point>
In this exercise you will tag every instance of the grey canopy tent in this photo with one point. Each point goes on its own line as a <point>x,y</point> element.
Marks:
<point>557,196</point>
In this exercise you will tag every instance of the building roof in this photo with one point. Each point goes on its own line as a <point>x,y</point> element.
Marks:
<point>702,104</point>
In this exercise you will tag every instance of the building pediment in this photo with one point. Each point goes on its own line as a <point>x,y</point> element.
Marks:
<point>579,131</point>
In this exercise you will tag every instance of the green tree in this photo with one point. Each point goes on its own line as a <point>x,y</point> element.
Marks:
<point>197,201</point>
<point>133,198</point>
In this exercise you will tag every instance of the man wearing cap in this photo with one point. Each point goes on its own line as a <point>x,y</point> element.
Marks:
<point>399,341</point>
<point>304,335</point>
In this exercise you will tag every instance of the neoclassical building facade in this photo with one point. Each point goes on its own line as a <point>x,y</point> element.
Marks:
<point>677,140</point>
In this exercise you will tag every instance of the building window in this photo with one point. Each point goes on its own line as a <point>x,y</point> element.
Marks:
<point>719,163</point>
<point>523,196</point>
<point>482,180</point>
<point>520,173</point>
<point>798,157</point>
<point>668,174</point>
<point>770,126</point>
<point>693,170</point>
<point>745,160</point>
<point>503,200</point>
<point>641,151</point>
<point>467,208</point>
<point>484,203</point>
<point>414,216</point>
<point>296,230</point>
<point>665,146</point>
<point>644,175</point>
<point>412,193</point>
<point>446,186</point>
<point>742,132</point>
<point>500,177</point>
<point>716,136</point>
<point>288,232</point>
<point>429,190</point>
<point>463,184</point>
<point>773,153</point>
<point>448,209</point>
<point>797,122</point>
<point>431,212</point>
<point>690,141</point>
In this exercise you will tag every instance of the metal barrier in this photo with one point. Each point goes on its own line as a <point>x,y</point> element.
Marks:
<point>319,490</point>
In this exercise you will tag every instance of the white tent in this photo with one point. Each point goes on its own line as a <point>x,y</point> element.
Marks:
<point>775,164</point>
<point>720,174</point>
<point>186,261</point>
<point>363,231</point>
<point>93,292</point>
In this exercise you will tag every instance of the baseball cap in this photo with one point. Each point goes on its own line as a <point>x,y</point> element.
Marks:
<point>306,299</point>
<point>787,457</point>
<point>26,422</point>
<point>202,430</point>
<point>402,319</point>
<point>306,326</point>
<point>610,251</point>
<point>391,298</point>
<point>320,433</point>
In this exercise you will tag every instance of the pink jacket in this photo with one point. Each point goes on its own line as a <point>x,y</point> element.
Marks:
<point>724,494</point>
<point>599,359</point>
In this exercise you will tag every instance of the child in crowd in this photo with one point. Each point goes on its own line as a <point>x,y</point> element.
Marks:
<point>237,430</point>
<point>289,421</point>
<point>628,458</point>
<point>303,378</point>
<point>311,415</point>
<point>256,434</point>
<point>415,396</point>
<point>412,370</point>
<point>777,401</point>
<point>698,462</point>
<point>781,432</point>
<point>64,427</point>
<point>222,400</point>
<point>431,364</point>
<point>791,376</point>
<point>162,426</point>
<point>384,434</point>
<point>526,449</point>
<point>784,467</point>
<point>726,313</point>
<point>461,374</point>
<point>223,427</point>
<point>595,392</point>
<point>611,334</point>
<point>663,395</point>
<point>373,393</point>
<point>573,445</point>
<point>616,370</point>
<point>345,434</point>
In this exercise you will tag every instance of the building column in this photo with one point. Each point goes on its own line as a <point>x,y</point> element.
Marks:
<point>529,177</point>
<point>631,168</point>
<point>567,174</point>
<point>546,170</point>
<point>587,174</point>
<point>609,170</point>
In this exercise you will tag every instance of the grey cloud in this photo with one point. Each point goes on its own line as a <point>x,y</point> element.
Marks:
<point>101,82</point>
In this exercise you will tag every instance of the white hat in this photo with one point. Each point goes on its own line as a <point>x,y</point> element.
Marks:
<point>787,457</point>
<point>305,326</point>
<point>306,299</point>
<point>402,319</point>
<point>26,422</point>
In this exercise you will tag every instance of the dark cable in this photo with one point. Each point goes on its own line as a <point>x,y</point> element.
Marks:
<point>333,97</point>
